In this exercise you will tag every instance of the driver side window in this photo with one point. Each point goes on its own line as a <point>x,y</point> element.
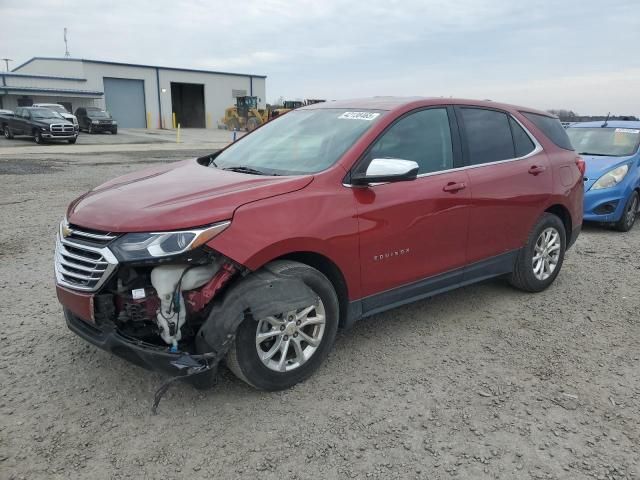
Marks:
<point>424,137</point>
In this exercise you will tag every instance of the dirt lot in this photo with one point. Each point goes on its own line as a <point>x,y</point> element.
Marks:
<point>483,382</point>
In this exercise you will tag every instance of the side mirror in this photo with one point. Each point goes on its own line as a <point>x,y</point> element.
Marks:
<point>383,170</point>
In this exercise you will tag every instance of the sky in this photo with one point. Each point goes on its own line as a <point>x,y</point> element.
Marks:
<point>580,55</point>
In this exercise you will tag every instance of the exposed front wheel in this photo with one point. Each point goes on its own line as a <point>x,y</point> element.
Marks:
<point>630,213</point>
<point>540,260</point>
<point>279,351</point>
<point>7,132</point>
<point>37,137</point>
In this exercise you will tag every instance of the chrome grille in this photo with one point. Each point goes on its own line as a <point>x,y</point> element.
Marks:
<point>82,259</point>
<point>61,128</point>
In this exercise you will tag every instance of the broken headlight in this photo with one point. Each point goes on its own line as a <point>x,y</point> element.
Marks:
<point>141,246</point>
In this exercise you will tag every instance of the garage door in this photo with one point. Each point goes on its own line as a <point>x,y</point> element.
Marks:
<point>125,101</point>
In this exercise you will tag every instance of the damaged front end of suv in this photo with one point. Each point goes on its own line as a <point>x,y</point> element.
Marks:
<point>155,299</point>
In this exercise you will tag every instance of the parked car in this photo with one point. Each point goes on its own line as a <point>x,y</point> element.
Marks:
<point>96,120</point>
<point>326,215</point>
<point>612,179</point>
<point>40,123</point>
<point>56,107</point>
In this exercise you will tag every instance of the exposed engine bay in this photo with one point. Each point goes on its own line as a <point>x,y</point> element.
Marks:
<point>163,305</point>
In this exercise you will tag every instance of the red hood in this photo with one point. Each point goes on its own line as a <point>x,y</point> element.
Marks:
<point>174,196</point>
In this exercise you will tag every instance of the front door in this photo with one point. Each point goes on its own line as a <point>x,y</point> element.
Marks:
<point>413,230</point>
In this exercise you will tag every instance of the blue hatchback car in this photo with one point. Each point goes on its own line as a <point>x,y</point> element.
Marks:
<point>612,176</point>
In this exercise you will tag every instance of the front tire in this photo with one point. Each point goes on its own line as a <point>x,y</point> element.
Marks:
<point>630,213</point>
<point>540,260</point>
<point>37,137</point>
<point>7,132</point>
<point>278,352</point>
<point>73,140</point>
<point>114,131</point>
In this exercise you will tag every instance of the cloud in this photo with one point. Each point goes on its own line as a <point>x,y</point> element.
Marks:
<point>341,48</point>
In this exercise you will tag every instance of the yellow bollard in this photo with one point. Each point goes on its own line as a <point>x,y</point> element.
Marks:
<point>178,134</point>
<point>208,120</point>
<point>148,119</point>
<point>174,119</point>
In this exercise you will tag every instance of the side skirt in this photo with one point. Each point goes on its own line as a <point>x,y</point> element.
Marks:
<point>428,287</point>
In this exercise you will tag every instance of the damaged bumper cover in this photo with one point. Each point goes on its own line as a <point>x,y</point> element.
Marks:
<point>139,353</point>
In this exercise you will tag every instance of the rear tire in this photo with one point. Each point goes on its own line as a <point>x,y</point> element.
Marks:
<point>243,359</point>
<point>7,132</point>
<point>630,213</point>
<point>540,260</point>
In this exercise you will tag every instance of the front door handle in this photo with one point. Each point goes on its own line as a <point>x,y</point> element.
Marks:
<point>536,169</point>
<point>454,187</point>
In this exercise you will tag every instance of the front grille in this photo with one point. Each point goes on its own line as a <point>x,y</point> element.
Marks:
<point>82,259</point>
<point>62,128</point>
<point>105,122</point>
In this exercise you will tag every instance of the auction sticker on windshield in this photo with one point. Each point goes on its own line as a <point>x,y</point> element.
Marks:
<point>368,116</point>
<point>627,130</point>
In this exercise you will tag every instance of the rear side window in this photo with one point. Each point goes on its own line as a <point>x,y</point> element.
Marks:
<point>521,141</point>
<point>552,128</point>
<point>488,135</point>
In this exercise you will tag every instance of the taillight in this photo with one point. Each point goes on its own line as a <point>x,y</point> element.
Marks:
<point>581,165</point>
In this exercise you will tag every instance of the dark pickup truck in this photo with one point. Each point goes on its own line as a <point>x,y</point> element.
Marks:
<point>42,124</point>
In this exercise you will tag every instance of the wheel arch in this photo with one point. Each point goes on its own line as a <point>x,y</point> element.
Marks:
<point>563,213</point>
<point>330,270</point>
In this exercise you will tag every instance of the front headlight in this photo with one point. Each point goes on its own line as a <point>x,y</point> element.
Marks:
<point>142,246</point>
<point>611,178</point>
<point>113,122</point>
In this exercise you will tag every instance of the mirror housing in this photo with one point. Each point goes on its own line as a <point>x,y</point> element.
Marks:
<point>384,170</point>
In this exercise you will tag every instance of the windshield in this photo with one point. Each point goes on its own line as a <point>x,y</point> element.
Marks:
<point>98,114</point>
<point>610,142</point>
<point>44,113</point>
<point>300,142</point>
<point>56,108</point>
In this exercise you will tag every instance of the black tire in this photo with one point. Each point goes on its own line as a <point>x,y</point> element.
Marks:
<point>73,140</point>
<point>243,359</point>
<point>90,129</point>
<point>114,131</point>
<point>523,276</point>
<point>37,137</point>
<point>8,134</point>
<point>252,124</point>
<point>628,219</point>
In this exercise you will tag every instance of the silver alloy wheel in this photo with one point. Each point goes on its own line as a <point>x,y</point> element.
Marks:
<point>285,342</point>
<point>632,212</point>
<point>546,253</point>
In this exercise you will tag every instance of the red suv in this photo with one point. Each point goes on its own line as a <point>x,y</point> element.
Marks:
<point>331,213</point>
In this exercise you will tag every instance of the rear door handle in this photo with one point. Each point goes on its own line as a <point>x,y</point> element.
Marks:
<point>536,169</point>
<point>454,187</point>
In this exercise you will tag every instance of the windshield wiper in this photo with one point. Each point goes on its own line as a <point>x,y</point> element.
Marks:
<point>249,170</point>
<point>595,154</point>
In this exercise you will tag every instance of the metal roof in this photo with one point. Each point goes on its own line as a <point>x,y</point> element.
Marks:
<point>104,62</point>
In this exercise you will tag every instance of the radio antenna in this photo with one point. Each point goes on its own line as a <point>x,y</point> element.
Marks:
<point>66,45</point>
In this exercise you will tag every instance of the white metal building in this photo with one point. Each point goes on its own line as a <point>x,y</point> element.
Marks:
<point>137,96</point>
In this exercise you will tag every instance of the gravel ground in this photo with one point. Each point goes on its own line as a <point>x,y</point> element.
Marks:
<point>483,382</point>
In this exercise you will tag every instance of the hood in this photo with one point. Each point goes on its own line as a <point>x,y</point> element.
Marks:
<point>598,166</point>
<point>174,196</point>
<point>45,122</point>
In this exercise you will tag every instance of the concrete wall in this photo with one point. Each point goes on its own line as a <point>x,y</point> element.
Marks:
<point>217,87</point>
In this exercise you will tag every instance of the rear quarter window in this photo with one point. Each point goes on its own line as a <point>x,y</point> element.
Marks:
<point>552,128</point>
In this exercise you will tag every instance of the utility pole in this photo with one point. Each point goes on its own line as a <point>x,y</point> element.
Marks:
<point>6,62</point>
<point>66,45</point>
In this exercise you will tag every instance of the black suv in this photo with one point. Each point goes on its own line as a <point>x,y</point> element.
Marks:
<point>94,119</point>
<point>40,123</point>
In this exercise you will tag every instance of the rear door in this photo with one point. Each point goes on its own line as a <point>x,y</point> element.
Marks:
<point>18,121</point>
<point>413,230</point>
<point>510,179</point>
